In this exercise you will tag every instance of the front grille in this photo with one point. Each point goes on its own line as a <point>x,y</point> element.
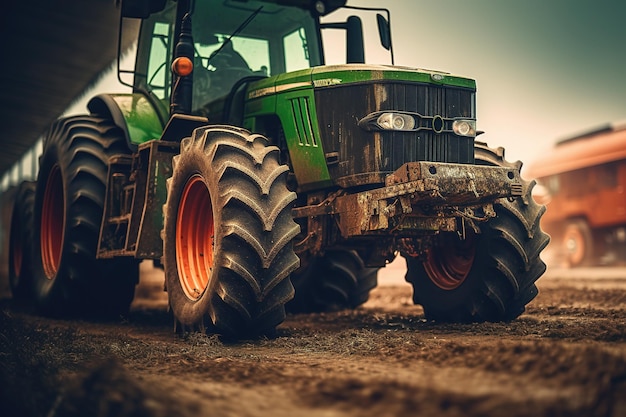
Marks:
<point>368,156</point>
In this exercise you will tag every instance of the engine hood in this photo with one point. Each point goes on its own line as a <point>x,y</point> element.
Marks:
<point>341,75</point>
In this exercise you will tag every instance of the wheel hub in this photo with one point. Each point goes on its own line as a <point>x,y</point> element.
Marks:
<point>449,262</point>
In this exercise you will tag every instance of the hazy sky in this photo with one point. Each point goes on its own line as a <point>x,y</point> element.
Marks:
<point>545,69</point>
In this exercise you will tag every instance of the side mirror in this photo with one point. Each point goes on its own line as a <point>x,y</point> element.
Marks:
<point>384,32</point>
<point>140,9</point>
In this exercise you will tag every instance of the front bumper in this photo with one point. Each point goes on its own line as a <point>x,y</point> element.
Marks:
<point>426,197</point>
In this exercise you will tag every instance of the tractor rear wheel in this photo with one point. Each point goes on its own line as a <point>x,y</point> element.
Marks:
<point>69,203</point>
<point>228,232</point>
<point>336,281</point>
<point>21,240</point>
<point>489,276</point>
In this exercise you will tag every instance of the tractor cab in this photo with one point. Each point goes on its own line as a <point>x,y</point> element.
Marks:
<point>235,43</point>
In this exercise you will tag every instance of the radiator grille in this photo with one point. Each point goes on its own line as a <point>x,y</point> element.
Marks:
<point>361,152</point>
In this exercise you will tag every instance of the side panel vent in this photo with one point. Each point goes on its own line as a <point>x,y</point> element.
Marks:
<point>301,111</point>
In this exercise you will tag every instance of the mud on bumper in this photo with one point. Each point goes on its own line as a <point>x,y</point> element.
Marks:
<point>426,197</point>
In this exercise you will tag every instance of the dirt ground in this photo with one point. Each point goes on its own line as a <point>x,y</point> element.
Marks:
<point>566,356</point>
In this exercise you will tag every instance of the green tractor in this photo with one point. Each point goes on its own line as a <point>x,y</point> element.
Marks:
<point>263,181</point>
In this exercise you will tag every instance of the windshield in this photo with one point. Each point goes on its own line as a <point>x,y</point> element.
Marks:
<point>277,39</point>
<point>232,40</point>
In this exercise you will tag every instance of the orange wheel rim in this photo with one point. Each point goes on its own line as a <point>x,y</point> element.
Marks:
<point>52,223</point>
<point>449,263</point>
<point>195,232</point>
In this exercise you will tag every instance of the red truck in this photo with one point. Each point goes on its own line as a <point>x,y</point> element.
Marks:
<point>583,183</point>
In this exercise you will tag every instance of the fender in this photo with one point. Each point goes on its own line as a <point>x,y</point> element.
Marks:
<point>140,118</point>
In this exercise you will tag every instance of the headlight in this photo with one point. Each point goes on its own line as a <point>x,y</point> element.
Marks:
<point>396,121</point>
<point>404,121</point>
<point>464,127</point>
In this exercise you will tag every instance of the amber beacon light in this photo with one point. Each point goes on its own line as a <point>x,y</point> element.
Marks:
<point>182,66</point>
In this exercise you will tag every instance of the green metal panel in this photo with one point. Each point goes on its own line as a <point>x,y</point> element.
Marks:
<point>290,97</point>
<point>142,118</point>
<point>296,110</point>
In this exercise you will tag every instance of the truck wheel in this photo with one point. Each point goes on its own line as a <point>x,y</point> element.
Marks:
<point>21,239</point>
<point>228,232</point>
<point>69,201</point>
<point>577,244</point>
<point>338,280</point>
<point>489,276</point>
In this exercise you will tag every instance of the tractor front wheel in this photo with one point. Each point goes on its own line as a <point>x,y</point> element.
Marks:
<point>228,232</point>
<point>488,276</point>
